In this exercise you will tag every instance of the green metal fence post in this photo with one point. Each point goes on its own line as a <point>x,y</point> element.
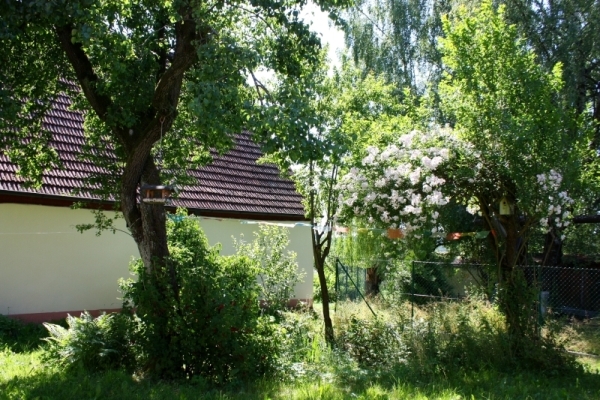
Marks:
<point>412,289</point>
<point>337,284</point>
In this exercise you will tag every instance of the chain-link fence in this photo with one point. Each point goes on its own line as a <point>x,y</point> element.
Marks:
<point>350,282</point>
<point>562,290</point>
<point>434,281</point>
<point>569,291</point>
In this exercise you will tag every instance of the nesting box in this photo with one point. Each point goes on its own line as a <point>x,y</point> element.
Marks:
<point>156,194</point>
<point>506,208</point>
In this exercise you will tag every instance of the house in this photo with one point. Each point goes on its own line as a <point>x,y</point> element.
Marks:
<point>48,269</point>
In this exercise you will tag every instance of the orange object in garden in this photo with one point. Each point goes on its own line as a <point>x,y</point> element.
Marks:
<point>453,236</point>
<point>341,229</point>
<point>395,233</point>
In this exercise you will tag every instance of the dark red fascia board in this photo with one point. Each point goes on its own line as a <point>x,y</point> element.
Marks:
<point>60,201</point>
<point>244,215</point>
<point>51,200</point>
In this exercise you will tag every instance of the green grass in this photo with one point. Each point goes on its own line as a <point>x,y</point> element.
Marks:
<point>324,375</point>
<point>22,376</point>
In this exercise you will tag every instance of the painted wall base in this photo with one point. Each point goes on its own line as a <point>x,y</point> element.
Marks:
<point>38,318</point>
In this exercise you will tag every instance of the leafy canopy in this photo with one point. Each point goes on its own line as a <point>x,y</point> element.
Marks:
<point>180,74</point>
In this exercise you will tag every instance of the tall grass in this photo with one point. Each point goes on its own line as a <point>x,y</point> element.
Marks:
<point>445,337</point>
<point>448,351</point>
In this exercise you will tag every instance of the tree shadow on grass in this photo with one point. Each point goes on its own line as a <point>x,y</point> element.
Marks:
<point>19,337</point>
<point>53,384</point>
<point>405,383</point>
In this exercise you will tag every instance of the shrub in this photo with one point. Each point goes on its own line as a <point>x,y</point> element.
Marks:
<point>18,336</point>
<point>446,337</point>
<point>93,344</point>
<point>211,326</point>
<point>373,343</point>
<point>276,268</point>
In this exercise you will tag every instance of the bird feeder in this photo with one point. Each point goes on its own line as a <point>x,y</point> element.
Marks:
<point>156,194</point>
<point>506,208</point>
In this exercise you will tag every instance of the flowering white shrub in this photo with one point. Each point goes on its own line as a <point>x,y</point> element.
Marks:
<point>399,186</point>
<point>406,184</point>
<point>554,201</point>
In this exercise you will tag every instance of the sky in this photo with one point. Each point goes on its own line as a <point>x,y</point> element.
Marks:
<point>330,35</point>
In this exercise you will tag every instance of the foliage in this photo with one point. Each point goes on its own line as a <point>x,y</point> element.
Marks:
<point>445,337</point>
<point>347,109</point>
<point>330,278</point>
<point>18,336</point>
<point>277,269</point>
<point>563,32</point>
<point>211,325</point>
<point>397,39</point>
<point>375,343</point>
<point>159,83</point>
<point>513,141</point>
<point>399,186</point>
<point>92,344</point>
<point>312,370</point>
<point>117,54</point>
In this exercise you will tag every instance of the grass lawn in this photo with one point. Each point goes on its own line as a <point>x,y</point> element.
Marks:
<point>23,375</point>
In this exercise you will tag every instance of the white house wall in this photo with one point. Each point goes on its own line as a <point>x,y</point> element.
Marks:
<point>47,268</point>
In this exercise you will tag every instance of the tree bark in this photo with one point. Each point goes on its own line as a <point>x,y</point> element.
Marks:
<point>320,267</point>
<point>372,282</point>
<point>321,246</point>
<point>552,255</point>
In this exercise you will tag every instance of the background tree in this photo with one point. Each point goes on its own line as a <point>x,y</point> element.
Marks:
<point>398,39</point>
<point>513,140</point>
<point>565,31</point>
<point>348,111</point>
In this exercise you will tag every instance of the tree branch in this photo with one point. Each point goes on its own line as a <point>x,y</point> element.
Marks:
<point>587,219</point>
<point>83,70</point>
<point>166,94</point>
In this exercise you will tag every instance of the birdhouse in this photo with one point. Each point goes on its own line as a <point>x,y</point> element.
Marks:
<point>506,208</point>
<point>155,194</point>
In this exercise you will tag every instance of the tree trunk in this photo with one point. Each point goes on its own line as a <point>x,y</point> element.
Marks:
<point>147,223</point>
<point>372,282</point>
<point>516,296</point>
<point>320,267</point>
<point>552,249</point>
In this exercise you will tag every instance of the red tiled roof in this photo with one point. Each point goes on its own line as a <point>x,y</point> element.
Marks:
<point>233,183</point>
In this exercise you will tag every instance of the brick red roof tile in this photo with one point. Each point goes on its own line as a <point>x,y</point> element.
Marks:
<point>232,183</point>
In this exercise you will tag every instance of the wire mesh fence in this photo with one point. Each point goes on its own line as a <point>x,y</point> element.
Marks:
<point>350,281</point>
<point>561,290</point>
<point>569,291</point>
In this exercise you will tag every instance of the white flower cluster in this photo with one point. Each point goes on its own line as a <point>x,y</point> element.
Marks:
<point>555,202</point>
<point>398,187</point>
